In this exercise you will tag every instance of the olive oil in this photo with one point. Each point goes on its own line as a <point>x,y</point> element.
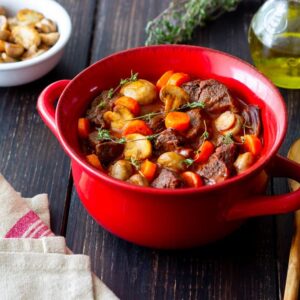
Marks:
<point>274,39</point>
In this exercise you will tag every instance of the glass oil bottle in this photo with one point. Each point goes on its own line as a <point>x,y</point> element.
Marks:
<point>274,39</point>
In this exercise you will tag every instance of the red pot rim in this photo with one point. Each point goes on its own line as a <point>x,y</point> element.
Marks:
<point>259,165</point>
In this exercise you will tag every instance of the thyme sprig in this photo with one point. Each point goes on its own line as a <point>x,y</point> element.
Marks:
<point>133,77</point>
<point>149,116</point>
<point>188,162</point>
<point>136,163</point>
<point>102,104</point>
<point>111,92</point>
<point>104,135</point>
<point>192,105</point>
<point>177,23</point>
<point>228,139</point>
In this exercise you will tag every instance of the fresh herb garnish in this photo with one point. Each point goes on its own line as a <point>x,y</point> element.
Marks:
<point>110,93</point>
<point>205,134</point>
<point>192,105</point>
<point>135,163</point>
<point>149,116</point>
<point>188,162</point>
<point>104,135</point>
<point>147,137</point>
<point>152,137</point>
<point>133,77</point>
<point>177,23</point>
<point>102,104</point>
<point>228,139</point>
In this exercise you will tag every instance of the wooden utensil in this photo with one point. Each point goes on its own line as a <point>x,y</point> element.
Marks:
<point>293,274</point>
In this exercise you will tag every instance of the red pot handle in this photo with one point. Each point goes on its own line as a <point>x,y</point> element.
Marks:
<point>46,103</point>
<point>270,205</point>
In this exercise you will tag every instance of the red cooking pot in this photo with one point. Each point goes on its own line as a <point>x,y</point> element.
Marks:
<point>164,218</point>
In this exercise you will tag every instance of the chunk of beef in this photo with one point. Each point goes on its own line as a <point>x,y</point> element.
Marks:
<point>99,106</point>
<point>157,123</point>
<point>227,153</point>
<point>93,138</point>
<point>214,94</point>
<point>219,165</point>
<point>214,171</point>
<point>251,115</point>
<point>108,152</point>
<point>167,179</point>
<point>168,140</point>
<point>197,124</point>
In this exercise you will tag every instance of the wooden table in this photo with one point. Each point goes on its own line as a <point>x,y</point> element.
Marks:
<point>250,264</point>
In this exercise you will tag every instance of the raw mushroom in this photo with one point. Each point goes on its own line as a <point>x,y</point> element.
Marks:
<point>3,23</point>
<point>46,26</point>
<point>122,169</point>
<point>173,97</point>
<point>29,17</point>
<point>26,36</point>
<point>7,58</point>
<point>2,46</point>
<point>143,91</point>
<point>138,179</point>
<point>13,50</point>
<point>12,22</point>
<point>49,39</point>
<point>4,35</point>
<point>31,52</point>
<point>2,11</point>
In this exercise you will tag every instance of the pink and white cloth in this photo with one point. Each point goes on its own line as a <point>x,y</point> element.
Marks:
<point>34,264</point>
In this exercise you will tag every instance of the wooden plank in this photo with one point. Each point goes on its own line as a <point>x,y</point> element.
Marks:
<point>284,223</point>
<point>31,158</point>
<point>243,266</point>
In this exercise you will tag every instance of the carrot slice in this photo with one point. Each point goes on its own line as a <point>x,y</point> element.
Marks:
<point>252,144</point>
<point>137,126</point>
<point>94,161</point>
<point>129,103</point>
<point>148,169</point>
<point>162,81</point>
<point>204,152</point>
<point>192,179</point>
<point>83,127</point>
<point>178,79</point>
<point>177,120</point>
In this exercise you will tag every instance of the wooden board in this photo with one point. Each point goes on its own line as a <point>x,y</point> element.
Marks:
<point>31,158</point>
<point>250,264</point>
<point>243,266</point>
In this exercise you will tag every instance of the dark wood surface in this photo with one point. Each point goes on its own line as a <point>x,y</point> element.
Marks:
<point>250,264</point>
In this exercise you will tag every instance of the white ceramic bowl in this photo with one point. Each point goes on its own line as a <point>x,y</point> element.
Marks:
<point>17,73</point>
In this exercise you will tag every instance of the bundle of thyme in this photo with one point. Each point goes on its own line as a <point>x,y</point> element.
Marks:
<point>177,23</point>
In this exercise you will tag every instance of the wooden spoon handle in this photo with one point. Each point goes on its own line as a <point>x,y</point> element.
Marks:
<point>291,291</point>
<point>293,275</point>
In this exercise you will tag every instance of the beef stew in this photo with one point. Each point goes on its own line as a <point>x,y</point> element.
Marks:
<point>179,133</point>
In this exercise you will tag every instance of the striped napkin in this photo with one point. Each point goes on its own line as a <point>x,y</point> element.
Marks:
<point>34,264</point>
